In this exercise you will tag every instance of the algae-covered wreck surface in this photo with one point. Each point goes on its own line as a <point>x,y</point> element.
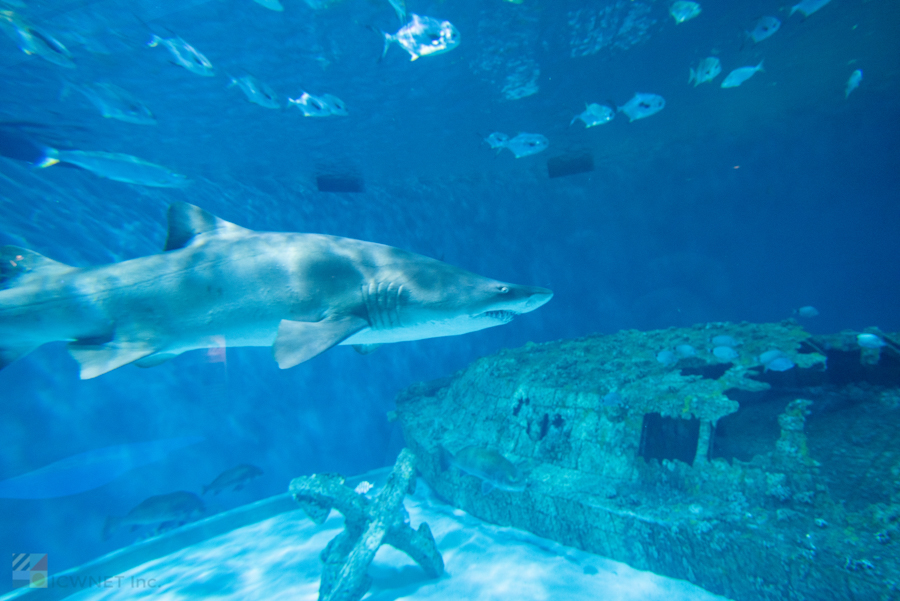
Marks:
<point>690,452</point>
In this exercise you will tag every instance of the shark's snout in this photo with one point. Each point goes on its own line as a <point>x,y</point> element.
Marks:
<point>537,298</point>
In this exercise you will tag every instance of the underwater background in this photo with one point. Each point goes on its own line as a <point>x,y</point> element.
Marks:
<point>728,205</point>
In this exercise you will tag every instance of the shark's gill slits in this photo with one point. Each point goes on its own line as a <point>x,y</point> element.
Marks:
<point>504,316</point>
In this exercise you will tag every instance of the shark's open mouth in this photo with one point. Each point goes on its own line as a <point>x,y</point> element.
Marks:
<point>504,316</point>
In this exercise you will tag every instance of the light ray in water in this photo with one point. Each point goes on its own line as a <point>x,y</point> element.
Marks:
<point>89,470</point>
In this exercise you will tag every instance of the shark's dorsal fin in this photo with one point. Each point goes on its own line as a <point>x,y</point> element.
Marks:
<point>187,221</point>
<point>16,262</point>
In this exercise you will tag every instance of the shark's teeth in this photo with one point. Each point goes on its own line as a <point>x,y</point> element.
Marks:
<point>504,316</point>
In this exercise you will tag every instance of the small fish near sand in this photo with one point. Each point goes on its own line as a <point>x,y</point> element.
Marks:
<point>235,478</point>
<point>423,36</point>
<point>642,106</point>
<point>740,75</point>
<point>493,469</point>
<point>684,11</point>
<point>32,40</point>
<point>808,7</point>
<point>184,55</point>
<point>256,91</point>
<point>113,102</point>
<point>325,105</point>
<point>522,145</point>
<point>595,114</point>
<point>116,166</point>
<point>853,82</point>
<point>707,70</point>
<point>164,510</point>
<point>764,28</point>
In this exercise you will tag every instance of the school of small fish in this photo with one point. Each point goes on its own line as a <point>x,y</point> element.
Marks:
<point>418,35</point>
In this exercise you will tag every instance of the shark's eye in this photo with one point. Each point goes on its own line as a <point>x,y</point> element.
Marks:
<point>503,289</point>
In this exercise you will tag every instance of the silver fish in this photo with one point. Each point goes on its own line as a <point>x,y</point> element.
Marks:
<point>256,91</point>
<point>271,5</point>
<point>184,55</point>
<point>32,40</point>
<point>853,82</point>
<point>325,105</point>
<point>808,7</point>
<point>176,507</point>
<point>116,166</point>
<point>524,145</point>
<point>497,140</point>
<point>764,28</point>
<point>867,340</point>
<point>684,11</point>
<point>493,469</point>
<point>424,36</point>
<point>707,70</point>
<point>643,105</point>
<point>725,353</point>
<point>740,75</point>
<point>113,102</point>
<point>806,311</point>
<point>595,114</point>
<point>235,478</point>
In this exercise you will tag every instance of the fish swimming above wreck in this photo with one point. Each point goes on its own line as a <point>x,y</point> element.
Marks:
<point>299,294</point>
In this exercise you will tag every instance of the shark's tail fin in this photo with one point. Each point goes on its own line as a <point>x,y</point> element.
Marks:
<point>16,266</point>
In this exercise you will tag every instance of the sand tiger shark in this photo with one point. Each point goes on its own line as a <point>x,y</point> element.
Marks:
<point>216,282</point>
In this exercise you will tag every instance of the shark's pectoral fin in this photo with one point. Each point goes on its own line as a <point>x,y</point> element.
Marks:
<point>299,341</point>
<point>156,359</point>
<point>97,359</point>
<point>365,349</point>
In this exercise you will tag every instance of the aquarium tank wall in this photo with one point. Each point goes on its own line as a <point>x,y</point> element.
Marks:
<point>652,165</point>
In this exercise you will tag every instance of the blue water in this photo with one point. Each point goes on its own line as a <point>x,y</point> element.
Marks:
<point>738,204</point>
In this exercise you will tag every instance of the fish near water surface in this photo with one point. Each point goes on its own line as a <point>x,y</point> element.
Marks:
<point>116,166</point>
<point>707,70</point>
<point>113,102</point>
<point>423,36</point>
<point>256,91</point>
<point>642,106</point>
<point>740,75</point>
<point>595,114</point>
<point>764,28</point>
<point>326,105</point>
<point>32,40</point>
<point>184,55</point>
<point>218,283</point>
<point>684,11</point>
<point>522,145</point>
